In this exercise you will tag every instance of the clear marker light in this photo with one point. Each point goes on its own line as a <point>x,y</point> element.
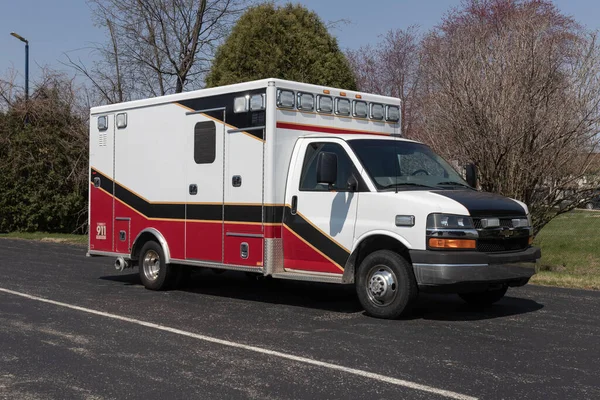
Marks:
<point>405,220</point>
<point>490,222</point>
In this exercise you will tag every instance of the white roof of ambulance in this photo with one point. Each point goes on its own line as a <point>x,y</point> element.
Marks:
<point>347,137</point>
<point>234,88</point>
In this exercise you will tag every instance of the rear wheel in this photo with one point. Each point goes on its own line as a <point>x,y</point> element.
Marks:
<point>484,298</point>
<point>386,285</point>
<point>154,273</point>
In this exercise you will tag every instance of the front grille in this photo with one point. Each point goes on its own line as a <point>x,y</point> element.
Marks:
<point>493,240</point>
<point>501,244</point>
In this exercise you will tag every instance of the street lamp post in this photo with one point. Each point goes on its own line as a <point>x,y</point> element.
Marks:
<point>22,39</point>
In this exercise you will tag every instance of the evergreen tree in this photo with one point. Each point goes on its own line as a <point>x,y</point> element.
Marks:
<point>288,42</point>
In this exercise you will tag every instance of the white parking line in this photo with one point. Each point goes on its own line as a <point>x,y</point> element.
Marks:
<point>310,361</point>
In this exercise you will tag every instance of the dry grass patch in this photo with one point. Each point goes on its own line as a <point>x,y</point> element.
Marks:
<point>47,237</point>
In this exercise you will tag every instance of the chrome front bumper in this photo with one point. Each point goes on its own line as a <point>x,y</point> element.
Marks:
<point>450,268</point>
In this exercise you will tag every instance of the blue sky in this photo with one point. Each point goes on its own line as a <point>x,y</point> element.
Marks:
<point>60,26</point>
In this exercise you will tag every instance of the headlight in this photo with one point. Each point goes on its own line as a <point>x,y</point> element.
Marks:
<point>521,223</point>
<point>451,232</point>
<point>449,221</point>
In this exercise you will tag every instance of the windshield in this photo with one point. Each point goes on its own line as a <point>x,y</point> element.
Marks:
<point>405,165</point>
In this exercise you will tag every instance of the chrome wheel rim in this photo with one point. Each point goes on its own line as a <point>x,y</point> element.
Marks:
<point>151,265</point>
<point>382,286</point>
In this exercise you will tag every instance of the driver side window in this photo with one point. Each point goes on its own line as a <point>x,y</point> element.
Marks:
<point>345,168</point>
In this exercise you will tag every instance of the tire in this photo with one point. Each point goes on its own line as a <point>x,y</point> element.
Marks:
<point>486,298</point>
<point>154,273</point>
<point>386,285</point>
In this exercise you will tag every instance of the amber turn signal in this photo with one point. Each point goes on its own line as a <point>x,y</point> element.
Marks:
<point>530,240</point>
<point>436,243</point>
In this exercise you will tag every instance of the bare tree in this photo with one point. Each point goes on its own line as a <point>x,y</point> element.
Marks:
<point>391,68</point>
<point>514,86</point>
<point>8,89</point>
<point>365,64</point>
<point>156,47</point>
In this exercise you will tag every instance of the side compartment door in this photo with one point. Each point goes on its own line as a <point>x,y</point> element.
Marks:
<point>319,220</point>
<point>102,130</point>
<point>204,174</point>
<point>244,187</point>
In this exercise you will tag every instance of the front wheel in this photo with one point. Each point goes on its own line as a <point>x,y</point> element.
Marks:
<point>386,285</point>
<point>486,298</point>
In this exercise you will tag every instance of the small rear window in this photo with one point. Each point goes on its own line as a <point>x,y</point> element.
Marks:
<point>205,142</point>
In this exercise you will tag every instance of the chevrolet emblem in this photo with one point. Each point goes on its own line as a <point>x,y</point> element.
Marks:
<point>507,232</point>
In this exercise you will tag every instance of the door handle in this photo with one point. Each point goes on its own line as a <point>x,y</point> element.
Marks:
<point>193,189</point>
<point>294,205</point>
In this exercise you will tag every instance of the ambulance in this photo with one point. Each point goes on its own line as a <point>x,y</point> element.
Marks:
<point>290,180</point>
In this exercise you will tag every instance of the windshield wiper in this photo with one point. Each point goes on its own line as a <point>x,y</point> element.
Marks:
<point>395,185</point>
<point>452,183</point>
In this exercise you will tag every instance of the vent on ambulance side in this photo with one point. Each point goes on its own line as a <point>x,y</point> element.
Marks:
<point>103,138</point>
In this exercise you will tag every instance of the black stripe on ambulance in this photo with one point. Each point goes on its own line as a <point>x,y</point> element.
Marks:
<point>246,119</point>
<point>315,237</point>
<point>250,213</point>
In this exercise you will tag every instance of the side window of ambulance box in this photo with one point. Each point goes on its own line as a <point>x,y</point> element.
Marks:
<point>205,142</point>
<point>345,168</point>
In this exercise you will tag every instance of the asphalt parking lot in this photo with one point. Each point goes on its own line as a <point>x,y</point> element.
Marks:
<point>71,327</point>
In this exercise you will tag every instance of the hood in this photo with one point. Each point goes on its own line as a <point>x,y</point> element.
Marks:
<point>416,201</point>
<point>483,204</point>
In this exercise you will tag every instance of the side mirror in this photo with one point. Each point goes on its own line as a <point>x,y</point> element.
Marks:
<point>327,168</point>
<point>471,175</point>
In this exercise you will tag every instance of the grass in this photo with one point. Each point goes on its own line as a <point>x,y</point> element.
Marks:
<point>570,247</point>
<point>48,237</point>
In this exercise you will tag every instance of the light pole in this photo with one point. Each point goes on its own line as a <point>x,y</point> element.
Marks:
<point>22,39</point>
